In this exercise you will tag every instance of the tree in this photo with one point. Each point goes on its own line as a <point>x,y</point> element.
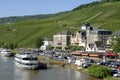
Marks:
<point>12,46</point>
<point>1,44</point>
<point>58,47</point>
<point>109,0</point>
<point>74,48</point>
<point>116,46</point>
<point>50,47</point>
<point>39,43</point>
<point>67,48</point>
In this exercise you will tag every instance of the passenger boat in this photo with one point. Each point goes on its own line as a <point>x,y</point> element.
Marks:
<point>6,52</point>
<point>27,60</point>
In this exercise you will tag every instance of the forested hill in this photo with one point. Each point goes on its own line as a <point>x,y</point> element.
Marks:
<point>14,19</point>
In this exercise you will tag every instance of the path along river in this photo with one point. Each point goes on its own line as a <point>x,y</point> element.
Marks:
<point>8,71</point>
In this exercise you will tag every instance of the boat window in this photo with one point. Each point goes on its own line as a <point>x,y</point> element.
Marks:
<point>30,58</point>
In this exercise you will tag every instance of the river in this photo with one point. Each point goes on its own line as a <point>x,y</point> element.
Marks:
<point>8,71</point>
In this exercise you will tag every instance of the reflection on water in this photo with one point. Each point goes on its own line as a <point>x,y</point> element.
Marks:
<point>20,74</point>
<point>8,71</point>
<point>49,74</point>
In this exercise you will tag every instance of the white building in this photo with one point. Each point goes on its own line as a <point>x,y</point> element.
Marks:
<point>95,47</point>
<point>47,43</point>
<point>80,62</point>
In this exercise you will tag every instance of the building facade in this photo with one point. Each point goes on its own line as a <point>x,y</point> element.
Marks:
<point>61,39</point>
<point>96,39</point>
<point>46,43</point>
<point>91,39</point>
<point>78,38</point>
<point>98,35</point>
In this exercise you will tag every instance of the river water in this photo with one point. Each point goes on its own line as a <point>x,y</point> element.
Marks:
<point>8,71</point>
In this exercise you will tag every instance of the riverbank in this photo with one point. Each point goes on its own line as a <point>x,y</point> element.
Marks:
<point>85,70</point>
<point>55,63</point>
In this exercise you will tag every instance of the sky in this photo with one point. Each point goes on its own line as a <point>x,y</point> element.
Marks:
<point>34,7</point>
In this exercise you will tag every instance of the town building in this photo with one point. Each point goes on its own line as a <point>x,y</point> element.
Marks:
<point>62,39</point>
<point>91,39</point>
<point>46,43</point>
<point>98,35</point>
<point>78,38</point>
<point>97,39</point>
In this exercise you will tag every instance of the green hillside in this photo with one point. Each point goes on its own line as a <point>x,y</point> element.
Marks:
<point>24,34</point>
<point>14,19</point>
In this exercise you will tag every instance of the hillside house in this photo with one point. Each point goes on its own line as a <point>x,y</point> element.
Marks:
<point>86,26</point>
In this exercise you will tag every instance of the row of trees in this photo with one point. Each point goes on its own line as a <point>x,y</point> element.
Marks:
<point>94,3</point>
<point>68,48</point>
<point>116,45</point>
<point>38,43</point>
<point>108,0</point>
<point>9,46</point>
<point>14,19</point>
<point>87,5</point>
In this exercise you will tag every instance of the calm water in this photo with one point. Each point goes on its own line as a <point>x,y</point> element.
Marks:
<point>8,71</point>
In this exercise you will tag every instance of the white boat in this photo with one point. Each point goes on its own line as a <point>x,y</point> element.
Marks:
<point>6,52</point>
<point>27,60</point>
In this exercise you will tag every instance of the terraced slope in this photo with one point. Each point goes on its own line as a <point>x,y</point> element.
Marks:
<point>24,34</point>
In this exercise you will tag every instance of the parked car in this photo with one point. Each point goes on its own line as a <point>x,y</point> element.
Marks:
<point>101,63</point>
<point>86,65</point>
<point>118,67</point>
<point>116,74</point>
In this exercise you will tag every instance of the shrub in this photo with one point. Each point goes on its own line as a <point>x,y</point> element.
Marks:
<point>74,48</point>
<point>39,43</point>
<point>50,47</point>
<point>99,71</point>
<point>10,46</point>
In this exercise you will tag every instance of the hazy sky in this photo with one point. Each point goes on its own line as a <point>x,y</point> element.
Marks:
<point>32,7</point>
